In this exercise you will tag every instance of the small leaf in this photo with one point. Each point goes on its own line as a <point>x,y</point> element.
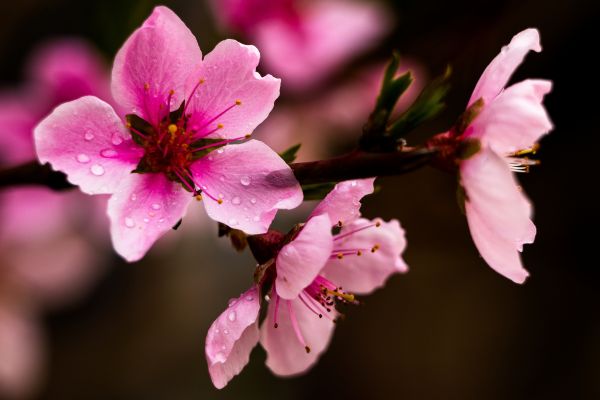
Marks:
<point>138,124</point>
<point>175,116</point>
<point>290,155</point>
<point>317,191</point>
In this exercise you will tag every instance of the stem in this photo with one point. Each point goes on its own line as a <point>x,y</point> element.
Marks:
<point>355,165</point>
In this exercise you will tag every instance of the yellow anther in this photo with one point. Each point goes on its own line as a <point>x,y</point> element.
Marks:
<point>238,102</point>
<point>199,197</point>
<point>172,129</point>
<point>171,92</point>
<point>340,223</point>
<point>247,136</point>
<point>128,125</point>
<point>377,224</point>
<point>374,248</point>
<point>359,253</point>
<point>340,256</point>
<point>146,86</point>
<point>349,297</point>
<point>219,126</point>
<point>201,81</point>
<point>220,201</point>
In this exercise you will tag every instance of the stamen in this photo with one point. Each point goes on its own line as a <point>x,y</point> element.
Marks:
<point>172,129</point>
<point>295,325</point>
<point>219,115</point>
<point>140,134</point>
<point>343,235</point>
<point>301,297</point>
<point>221,143</point>
<point>374,248</point>
<point>521,164</point>
<point>276,311</point>
<point>349,297</point>
<point>187,103</point>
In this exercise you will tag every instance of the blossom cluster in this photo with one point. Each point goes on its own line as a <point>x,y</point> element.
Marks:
<point>177,132</point>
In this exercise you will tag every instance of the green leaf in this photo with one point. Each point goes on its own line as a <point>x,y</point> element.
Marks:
<point>428,105</point>
<point>175,116</point>
<point>317,191</point>
<point>138,124</point>
<point>289,155</point>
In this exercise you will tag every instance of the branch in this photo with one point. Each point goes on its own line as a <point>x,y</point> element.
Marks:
<point>355,165</point>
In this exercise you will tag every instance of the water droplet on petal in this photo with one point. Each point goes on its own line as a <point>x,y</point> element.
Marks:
<point>256,218</point>
<point>225,331</point>
<point>233,222</point>
<point>217,330</point>
<point>108,153</point>
<point>88,136</point>
<point>133,197</point>
<point>220,357</point>
<point>353,183</point>
<point>129,222</point>
<point>97,169</point>
<point>245,180</point>
<point>236,200</point>
<point>249,298</point>
<point>82,158</point>
<point>253,200</point>
<point>156,206</point>
<point>161,220</point>
<point>117,139</point>
<point>146,220</point>
<point>222,178</point>
<point>231,316</point>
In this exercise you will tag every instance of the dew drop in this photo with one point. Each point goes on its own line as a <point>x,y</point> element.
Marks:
<point>231,316</point>
<point>117,139</point>
<point>133,197</point>
<point>217,330</point>
<point>220,151</point>
<point>236,200</point>
<point>82,158</point>
<point>231,302</point>
<point>233,222</point>
<point>256,218</point>
<point>353,183</point>
<point>155,206</point>
<point>245,180</point>
<point>129,222</point>
<point>88,136</point>
<point>223,347</point>
<point>253,200</point>
<point>225,331</point>
<point>146,220</point>
<point>222,178</point>
<point>249,298</point>
<point>97,169</point>
<point>108,153</point>
<point>161,220</point>
<point>220,357</point>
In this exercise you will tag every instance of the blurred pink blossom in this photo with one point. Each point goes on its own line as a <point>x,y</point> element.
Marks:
<point>45,261</point>
<point>159,68</point>
<point>311,270</point>
<point>507,127</point>
<point>304,42</point>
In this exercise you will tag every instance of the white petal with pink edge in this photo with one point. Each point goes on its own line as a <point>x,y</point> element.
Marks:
<point>300,261</point>
<point>232,337</point>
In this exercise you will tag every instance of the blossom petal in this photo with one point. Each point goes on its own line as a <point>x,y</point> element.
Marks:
<point>343,202</point>
<point>252,182</point>
<point>21,346</point>
<point>233,95</point>
<point>300,261</point>
<point>146,207</point>
<point>498,213</point>
<point>498,72</point>
<point>286,355</point>
<point>232,337</point>
<point>86,140</point>
<point>324,36</point>
<point>157,58</point>
<point>516,119</point>
<point>17,119</point>
<point>369,271</point>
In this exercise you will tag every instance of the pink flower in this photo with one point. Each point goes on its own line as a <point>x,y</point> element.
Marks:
<point>506,128</point>
<point>306,41</point>
<point>183,107</point>
<point>306,277</point>
<point>45,260</point>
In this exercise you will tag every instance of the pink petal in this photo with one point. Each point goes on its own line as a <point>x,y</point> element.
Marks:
<point>233,95</point>
<point>67,69</point>
<point>86,140</point>
<point>145,207</point>
<point>285,354</point>
<point>498,213</point>
<point>300,261</point>
<point>232,337</point>
<point>17,118</point>
<point>22,353</point>
<point>498,72</point>
<point>159,56</point>
<point>369,271</point>
<point>514,120</point>
<point>343,202</point>
<point>325,35</point>
<point>253,183</point>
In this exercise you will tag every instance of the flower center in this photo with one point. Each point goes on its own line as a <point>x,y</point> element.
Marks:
<point>171,146</point>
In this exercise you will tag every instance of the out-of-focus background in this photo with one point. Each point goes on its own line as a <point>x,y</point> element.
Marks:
<point>450,328</point>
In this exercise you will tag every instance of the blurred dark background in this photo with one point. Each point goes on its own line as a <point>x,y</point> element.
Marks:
<point>451,327</point>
